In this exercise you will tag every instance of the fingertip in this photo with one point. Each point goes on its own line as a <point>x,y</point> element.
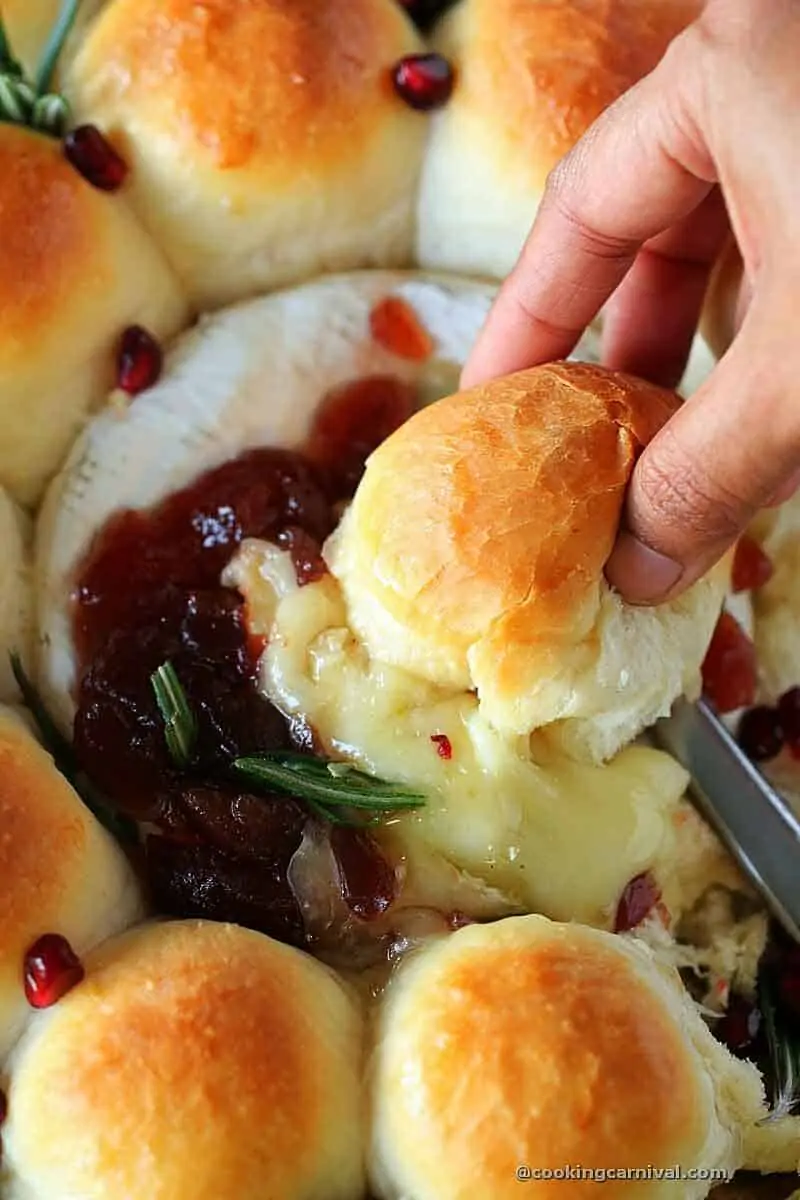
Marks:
<point>642,575</point>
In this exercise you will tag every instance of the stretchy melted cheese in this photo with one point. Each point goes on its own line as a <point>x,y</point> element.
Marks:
<point>556,837</point>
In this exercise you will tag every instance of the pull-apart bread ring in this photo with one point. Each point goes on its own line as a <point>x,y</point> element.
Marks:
<point>194,1062</point>
<point>60,872</point>
<point>265,140</point>
<point>474,549</point>
<point>519,1050</point>
<point>77,270</point>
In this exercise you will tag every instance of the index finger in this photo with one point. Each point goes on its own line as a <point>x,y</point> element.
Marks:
<point>641,167</point>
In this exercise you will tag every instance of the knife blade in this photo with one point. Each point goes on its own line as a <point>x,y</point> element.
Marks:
<point>754,820</point>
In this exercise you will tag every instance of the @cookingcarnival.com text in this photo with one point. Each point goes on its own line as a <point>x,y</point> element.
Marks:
<point>603,1174</point>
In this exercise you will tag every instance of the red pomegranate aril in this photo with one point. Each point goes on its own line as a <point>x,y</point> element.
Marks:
<point>395,326</point>
<point>93,156</point>
<point>424,81</point>
<point>444,747</point>
<point>729,668</point>
<point>760,733</point>
<point>139,360</point>
<point>51,969</point>
<point>640,896</point>
<point>752,568</point>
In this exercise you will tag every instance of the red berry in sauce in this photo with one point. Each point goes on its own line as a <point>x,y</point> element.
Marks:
<point>752,568</point>
<point>395,325</point>
<point>139,360</point>
<point>640,896</point>
<point>760,733</point>
<point>444,747</point>
<point>306,553</point>
<point>729,668</point>
<point>424,81</point>
<point>367,878</point>
<point>95,158</point>
<point>3,1106</point>
<point>51,969</point>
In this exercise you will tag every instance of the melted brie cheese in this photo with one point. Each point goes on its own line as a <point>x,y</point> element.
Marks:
<point>553,836</point>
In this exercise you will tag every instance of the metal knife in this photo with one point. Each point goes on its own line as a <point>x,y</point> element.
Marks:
<point>754,821</point>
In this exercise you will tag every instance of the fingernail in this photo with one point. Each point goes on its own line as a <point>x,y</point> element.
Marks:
<point>640,574</point>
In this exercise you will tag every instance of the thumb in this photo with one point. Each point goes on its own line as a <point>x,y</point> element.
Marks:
<point>723,456</point>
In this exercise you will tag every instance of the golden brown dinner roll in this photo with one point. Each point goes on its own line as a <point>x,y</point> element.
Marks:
<point>265,139</point>
<point>473,556</point>
<point>77,270</point>
<point>526,1046</point>
<point>532,75</point>
<point>60,872</point>
<point>195,1062</point>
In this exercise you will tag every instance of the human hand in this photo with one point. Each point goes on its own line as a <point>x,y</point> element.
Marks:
<point>638,212</point>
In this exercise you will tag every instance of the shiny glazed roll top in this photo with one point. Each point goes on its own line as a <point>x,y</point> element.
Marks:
<point>195,1062</point>
<point>532,75</point>
<point>265,138</point>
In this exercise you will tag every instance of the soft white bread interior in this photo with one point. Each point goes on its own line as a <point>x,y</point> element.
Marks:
<point>195,1062</point>
<point>531,78</point>
<point>530,1044</point>
<point>77,269</point>
<point>16,617</point>
<point>60,872</point>
<point>265,139</point>
<point>253,375</point>
<point>473,556</point>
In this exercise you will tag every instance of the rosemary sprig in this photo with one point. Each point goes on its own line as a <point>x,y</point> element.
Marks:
<point>63,754</point>
<point>783,1045</point>
<point>180,723</point>
<point>30,102</point>
<point>332,790</point>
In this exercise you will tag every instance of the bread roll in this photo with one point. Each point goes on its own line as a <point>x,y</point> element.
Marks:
<point>526,1044</point>
<point>195,1062</point>
<point>531,78</point>
<point>474,549</point>
<point>265,139</point>
<point>16,633</point>
<point>77,270</point>
<point>60,872</point>
<point>251,376</point>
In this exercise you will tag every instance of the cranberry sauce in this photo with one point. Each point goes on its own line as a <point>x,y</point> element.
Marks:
<point>149,591</point>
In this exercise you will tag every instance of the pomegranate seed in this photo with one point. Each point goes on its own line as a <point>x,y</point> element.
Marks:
<point>52,968</point>
<point>444,747</point>
<point>752,568</point>
<point>396,327</point>
<point>740,1025</point>
<point>424,81</point>
<point>760,734</point>
<point>93,156</point>
<point>729,669</point>
<point>139,360</point>
<point>639,898</point>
